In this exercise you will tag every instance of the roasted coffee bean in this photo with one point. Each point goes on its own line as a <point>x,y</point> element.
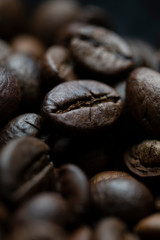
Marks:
<point>52,15</point>
<point>12,18</point>
<point>95,15</point>
<point>82,233</point>
<point>143,99</point>
<point>123,197</point>
<point>83,106</point>
<point>29,124</point>
<point>58,66</point>
<point>144,158</point>
<point>27,72</point>
<point>73,185</point>
<point>149,227</point>
<point>101,52</point>
<point>10,95</point>
<point>38,230</point>
<point>103,176</point>
<point>28,45</point>
<point>24,168</point>
<point>144,54</point>
<point>113,229</point>
<point>50,207</point>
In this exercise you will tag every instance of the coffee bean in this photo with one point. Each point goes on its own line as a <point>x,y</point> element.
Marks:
<point>101,52</point>
<point>28,45</point>
<point>82,233</point>
<point>50,207</point>
<point>52,15</point>
<point>29,124</point>
<point>73,185</point>
<point>82,107</point>
<point>143,159</point>
<point>149,227</point>
<point>37,230</point>
<point>123,197</point>
<point>27,72</point>
<point>58,66</point>
<point>143,98</point>
<point>113,229</point>
<point>144,54</point>
<point>24,168</point>
<point>103,176</point>
<point>10,95</point>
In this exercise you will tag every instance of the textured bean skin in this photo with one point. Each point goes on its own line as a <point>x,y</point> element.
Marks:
<point>82,106</point>
<point>10,95</point>
<point>143,99</point>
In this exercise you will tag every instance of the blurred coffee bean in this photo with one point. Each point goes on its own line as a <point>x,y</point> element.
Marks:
<point>113,229</point>
<point>82,107</point>
<point>144,158</point>
<point>50,207</point>
<point>82,233</point>
<point>101,52</point>
<point>38,230</point>
<point>27,71</point>
<point>29,124</point>
<point>58,66</point>
<point>10,95</point>
<point>12,18</point>
<point>144,54</point>
<point>149,227</point>
<point>52,15</point>
<point>73,185</point>
<point>123,197</point>
<point>28,45</point>
<point>25,168</point>
<point>143,98</point>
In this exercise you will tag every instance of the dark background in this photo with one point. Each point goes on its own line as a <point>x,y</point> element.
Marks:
<point>139,18</point>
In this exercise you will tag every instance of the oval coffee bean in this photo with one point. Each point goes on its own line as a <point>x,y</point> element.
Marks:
<point>29,124</point>
<point>50,207</point>
<point>103,176</point>
<point>113,229</point>
<point>101,52</point>
<point>10,95</point>
<point>122,197</point>
<point>144,158</point>
<point>24,168</point>
<point>83,106</point>
<point>28,45</point>
<point>143,99</point>
<point>149,227</point>
<point>27,71</point>
<point>58,66</point>
<point>73,185</point>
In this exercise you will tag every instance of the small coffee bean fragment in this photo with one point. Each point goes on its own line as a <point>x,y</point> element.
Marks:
<point>143,99</point>
<point>58,66</point>
<point>101,52</point>
<point>82,106</point>
<point>123,197</point>
<point>149,227</point>
<point>144,158</point>
<point>25,168</point>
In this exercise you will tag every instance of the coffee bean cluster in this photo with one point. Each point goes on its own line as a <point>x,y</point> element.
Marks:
<point>79,126</point>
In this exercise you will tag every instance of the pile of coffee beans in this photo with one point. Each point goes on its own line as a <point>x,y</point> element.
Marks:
<point>79,126</point>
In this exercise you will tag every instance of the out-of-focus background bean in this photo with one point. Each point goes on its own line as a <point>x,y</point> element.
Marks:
<point>139,18</point>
